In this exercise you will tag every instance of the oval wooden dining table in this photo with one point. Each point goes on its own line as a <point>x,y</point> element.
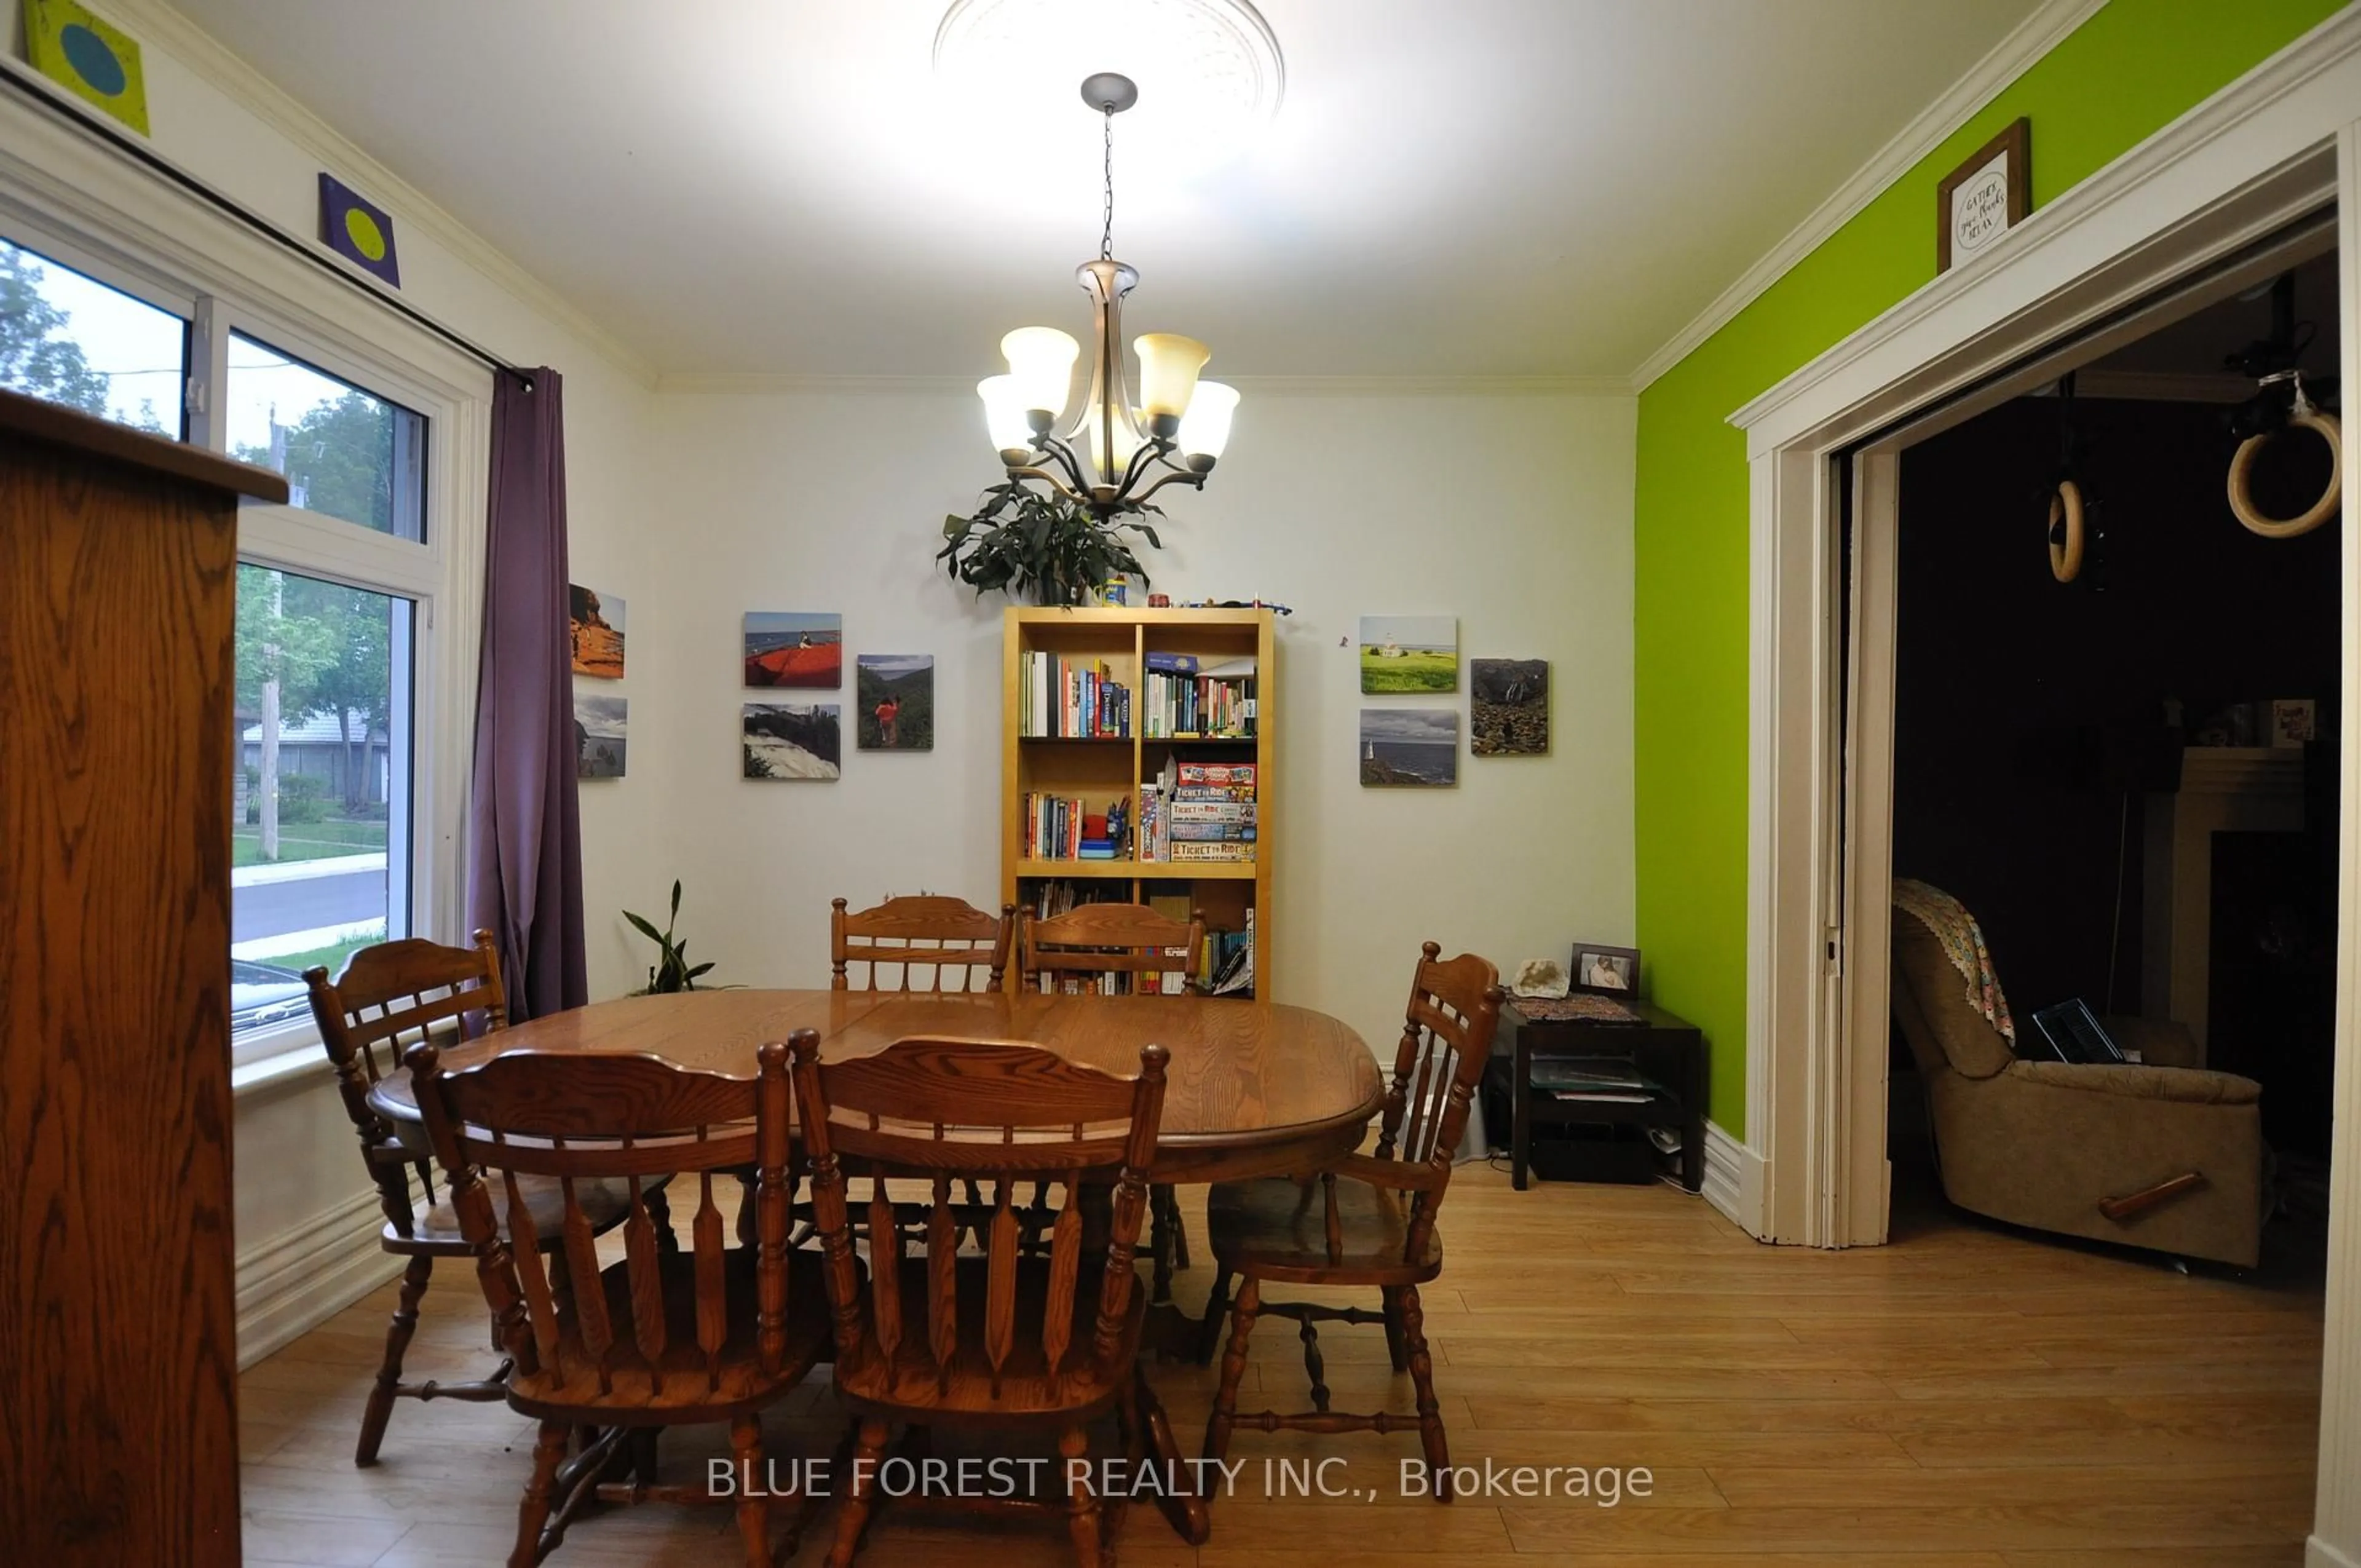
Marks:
<point>1253,1088</point>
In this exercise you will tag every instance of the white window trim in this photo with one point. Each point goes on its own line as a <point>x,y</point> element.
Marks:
<point>70,197</point>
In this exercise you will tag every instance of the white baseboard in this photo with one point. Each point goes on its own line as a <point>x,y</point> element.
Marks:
<point>1733,1180</point>
<point>292,1283</point>
<point>2318,1554</point>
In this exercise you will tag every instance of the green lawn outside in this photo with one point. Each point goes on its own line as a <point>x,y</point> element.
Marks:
<point>308,841</point>
<point>329,957</point>
<point>1407,671</point>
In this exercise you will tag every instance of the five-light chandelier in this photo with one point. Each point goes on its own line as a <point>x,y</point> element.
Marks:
<point>1116,454</point>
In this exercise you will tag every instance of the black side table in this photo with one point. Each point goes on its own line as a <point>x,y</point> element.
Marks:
<point>1668,1053</point>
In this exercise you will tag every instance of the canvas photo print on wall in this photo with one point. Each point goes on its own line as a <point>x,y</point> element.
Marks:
<point>894,711</point>
<point>600,726</point>
<point>1416,654</point>
<point>790,648</point>
<point>1413,747</point>
<point>598,632</point>
<point>788,740</point>
<point>1508,707</point>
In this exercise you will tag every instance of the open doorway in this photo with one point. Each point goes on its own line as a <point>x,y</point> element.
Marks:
<point>2115,749</point>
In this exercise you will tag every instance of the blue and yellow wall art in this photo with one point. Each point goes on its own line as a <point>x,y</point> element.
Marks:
<point>88,58</point>
<point>357,229</point>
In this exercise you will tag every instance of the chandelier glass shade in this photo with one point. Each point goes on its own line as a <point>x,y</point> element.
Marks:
<point>1115,453</point>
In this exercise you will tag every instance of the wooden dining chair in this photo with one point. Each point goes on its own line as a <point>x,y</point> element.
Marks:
<point>1367,1221</point>
<point>1080,949</point>
<point>1003,1339</point>
<point>664,1337</point>
<point>947,937</point>
<point>389,997</point>
<point>1076,950</point>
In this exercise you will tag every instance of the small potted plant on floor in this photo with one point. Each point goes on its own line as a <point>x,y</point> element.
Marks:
<point>671,971</point>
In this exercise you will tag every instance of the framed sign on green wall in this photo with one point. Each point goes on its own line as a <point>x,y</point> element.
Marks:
<point>1987,195</point>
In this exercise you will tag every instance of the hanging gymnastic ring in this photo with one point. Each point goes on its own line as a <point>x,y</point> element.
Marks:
<point>2066,509</point>
<point>2242,468</point>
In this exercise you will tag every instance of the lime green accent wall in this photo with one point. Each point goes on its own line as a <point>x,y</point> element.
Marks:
<point>2127,71</point>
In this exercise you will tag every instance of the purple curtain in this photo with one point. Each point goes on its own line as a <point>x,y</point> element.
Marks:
<point>525,831</point>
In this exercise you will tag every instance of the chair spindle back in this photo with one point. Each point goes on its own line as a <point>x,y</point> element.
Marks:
<point>992,1112</point>
<point>1454,1009</point>
<point>389,997</point>
<point>581,1118</point>
<point>948,938</point>
<point>1074,951</point>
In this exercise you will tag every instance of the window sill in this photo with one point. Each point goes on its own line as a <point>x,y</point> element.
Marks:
<point>281,1072</point>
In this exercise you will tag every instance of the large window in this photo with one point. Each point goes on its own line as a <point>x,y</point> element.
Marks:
<point>347,769</point>
<point>345,452</point>
<point>321,794</point>
<point>70,339</point>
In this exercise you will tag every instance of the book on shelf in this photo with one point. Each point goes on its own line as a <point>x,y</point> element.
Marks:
<point>1213,833</point>
<point>1046,898</point>
<point>1184,698</point>
<point>1061,827</point>
<point>1601,1096</point>
<point>1184,851</point>
<point>1061,698</point>
<point>1237,811</point>
<point>1225,967</point>
<point>1160,985</point>
<point>1199,812</point>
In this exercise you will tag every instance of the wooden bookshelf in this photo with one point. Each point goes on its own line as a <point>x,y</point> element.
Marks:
<point>1100,770</point>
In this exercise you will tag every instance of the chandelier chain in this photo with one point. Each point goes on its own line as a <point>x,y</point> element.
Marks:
<point>1106,231</point>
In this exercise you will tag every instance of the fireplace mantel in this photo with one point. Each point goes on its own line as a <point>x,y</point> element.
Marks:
<point>2223,789</point>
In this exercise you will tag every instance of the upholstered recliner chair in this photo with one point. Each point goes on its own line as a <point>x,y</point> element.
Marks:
<point>2103,1151</point>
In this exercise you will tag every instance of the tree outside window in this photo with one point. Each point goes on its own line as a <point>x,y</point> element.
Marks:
<point>311,650</point>
<point>68,339</point>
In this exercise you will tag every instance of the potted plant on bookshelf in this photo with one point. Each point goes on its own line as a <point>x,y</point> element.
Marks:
<point>1044,545</point>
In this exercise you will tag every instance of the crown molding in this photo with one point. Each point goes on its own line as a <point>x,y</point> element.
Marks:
<point>768,383</point>
<point>1438,385</point>
<point>760,384</point>
<point>190,46</point>
<point>2029,41</point>
<point>2267,200</point>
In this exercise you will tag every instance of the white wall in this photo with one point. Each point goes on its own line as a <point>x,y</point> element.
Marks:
<point>1512,512</point>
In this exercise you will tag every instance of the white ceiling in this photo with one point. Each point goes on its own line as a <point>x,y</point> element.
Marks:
<point>1451,188</point>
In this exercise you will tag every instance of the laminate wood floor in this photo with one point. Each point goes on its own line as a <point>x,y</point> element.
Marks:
<point>1966,1398</point>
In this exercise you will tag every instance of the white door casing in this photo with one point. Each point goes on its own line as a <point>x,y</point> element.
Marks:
<point>2197,199</point>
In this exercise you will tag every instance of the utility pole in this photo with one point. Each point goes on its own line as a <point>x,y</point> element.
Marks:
<point>269,781</point>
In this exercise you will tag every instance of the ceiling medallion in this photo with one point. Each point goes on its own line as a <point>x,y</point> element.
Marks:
<point>1117,454</point>
<point>1196,55</point>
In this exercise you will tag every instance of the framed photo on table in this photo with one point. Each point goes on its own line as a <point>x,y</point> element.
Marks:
<point>1602,970</point>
